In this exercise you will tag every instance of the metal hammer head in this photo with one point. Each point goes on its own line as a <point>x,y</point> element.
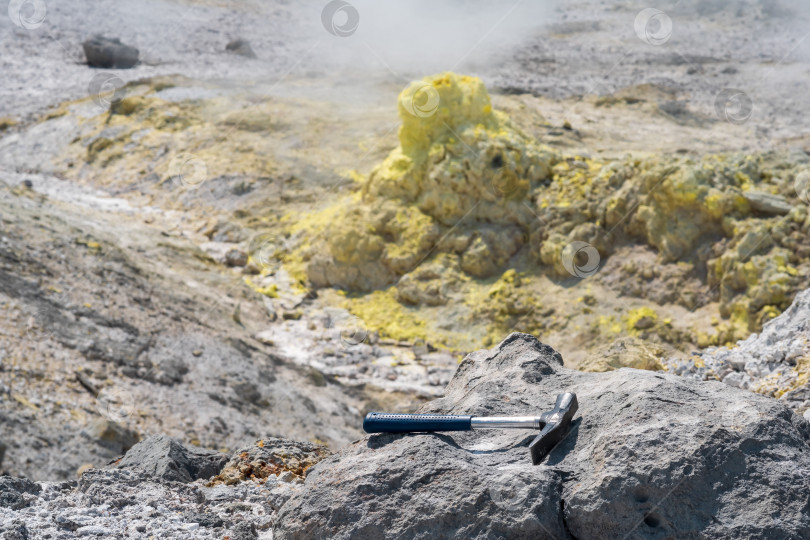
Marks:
<point>557,422</point>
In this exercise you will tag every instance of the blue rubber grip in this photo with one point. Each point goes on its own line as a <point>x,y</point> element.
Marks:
<point>406,423</point>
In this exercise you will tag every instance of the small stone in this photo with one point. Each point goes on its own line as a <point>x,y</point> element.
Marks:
<point>767,203</point>
<point>236,257</point>
<point>196,353</point>
<point>286,476</point>
<point>241,47</point>
<point>94,530</point>
<point>644,323</point>
<point>734,379</point>
<point>105,52</point>
<point>225,231</point>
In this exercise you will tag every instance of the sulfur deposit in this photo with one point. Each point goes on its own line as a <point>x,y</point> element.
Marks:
<point>457,185</point>
<point>470,212</point>
<point>469,228</point>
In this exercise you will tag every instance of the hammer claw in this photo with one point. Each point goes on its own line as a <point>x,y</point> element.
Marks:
<point>558,421</point>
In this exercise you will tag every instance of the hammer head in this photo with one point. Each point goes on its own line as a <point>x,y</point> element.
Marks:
<point>557,422</point>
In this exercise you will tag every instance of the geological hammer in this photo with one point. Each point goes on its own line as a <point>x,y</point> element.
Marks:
<point>553,425</point>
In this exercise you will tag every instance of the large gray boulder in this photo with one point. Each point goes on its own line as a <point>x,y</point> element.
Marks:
<point>169,459</point>
<point>650,455</point>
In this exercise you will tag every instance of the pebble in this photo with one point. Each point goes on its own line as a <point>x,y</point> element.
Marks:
<point>735,379</point>
<point>94,530</point>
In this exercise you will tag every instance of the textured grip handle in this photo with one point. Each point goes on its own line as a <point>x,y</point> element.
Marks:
<point>406,423</point>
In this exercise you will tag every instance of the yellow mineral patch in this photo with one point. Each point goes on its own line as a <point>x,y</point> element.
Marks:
<point>625,352</point>
<point>802,372</point>
<point>381,312</point>
<point>468,229</point>
<point>467,197</point>
<point>641,319</point>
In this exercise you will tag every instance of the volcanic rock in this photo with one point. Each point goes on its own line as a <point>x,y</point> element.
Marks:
<point>236,257</point>
<point>103,52</point>
<point>776,361</point>
<point>13,492</point>
<point>648,455</point>
<point>166,458</point>
<point>767,203</point>
<point>241,47</point>
<point>139,497</point>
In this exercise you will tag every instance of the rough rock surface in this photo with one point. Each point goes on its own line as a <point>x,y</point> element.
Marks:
<point>105,52</point>
<point>169,459</point>
<point>649,455</point>
<point>774,362</point>
<point>13,492</point>
<point>145,502</point>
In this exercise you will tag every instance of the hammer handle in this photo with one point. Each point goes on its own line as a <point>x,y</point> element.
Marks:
<point>407,423</point>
